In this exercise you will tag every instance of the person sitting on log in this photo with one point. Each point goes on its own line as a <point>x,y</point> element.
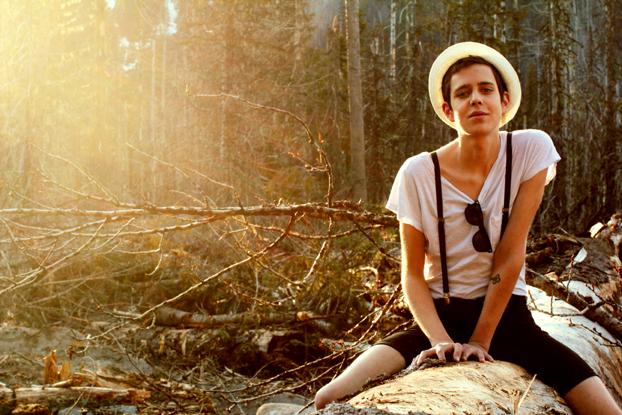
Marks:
<point>465,211</point>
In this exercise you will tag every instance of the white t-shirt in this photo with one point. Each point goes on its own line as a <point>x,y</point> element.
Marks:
<point>413,199</point>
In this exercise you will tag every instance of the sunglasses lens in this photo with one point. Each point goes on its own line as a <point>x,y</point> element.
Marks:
<point>475,217</point>
<point>473,214</point>
<point>481,242</point>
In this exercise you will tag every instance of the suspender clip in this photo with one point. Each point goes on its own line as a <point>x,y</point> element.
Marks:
<point>446,298</point>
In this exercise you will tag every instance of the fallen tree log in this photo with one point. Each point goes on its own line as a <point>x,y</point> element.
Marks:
<point>557,290</point>
<point>167,316</point>
<point>467,387</point>
<point>58,398</point>
<point>495,388</point>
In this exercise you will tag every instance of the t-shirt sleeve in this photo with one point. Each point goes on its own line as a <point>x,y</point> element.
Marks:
<point>404,197</point>
<point>540,153</point>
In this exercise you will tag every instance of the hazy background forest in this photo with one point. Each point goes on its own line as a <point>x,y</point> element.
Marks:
<point>83,78</point>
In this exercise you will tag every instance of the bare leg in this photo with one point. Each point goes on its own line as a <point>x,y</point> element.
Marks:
<point>591,397</point>
<point>372,363</point>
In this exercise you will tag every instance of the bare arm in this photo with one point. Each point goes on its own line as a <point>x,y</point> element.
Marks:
<point>419,297</point>
<point>508,261</point>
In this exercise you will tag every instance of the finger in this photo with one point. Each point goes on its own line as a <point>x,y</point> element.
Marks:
<point>468,352</point>
<point>478,354</point>
<point>420,358</point>
<point>458,352</point>
<point>441,353</point>
<point>471,351</point>
<point>424,355</point>
<point>489,357</point>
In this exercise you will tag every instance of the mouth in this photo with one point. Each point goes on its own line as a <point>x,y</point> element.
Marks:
<point>477,114</point>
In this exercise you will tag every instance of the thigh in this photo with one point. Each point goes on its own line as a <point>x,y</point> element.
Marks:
<point>520,340</point>
<point>408,343</point>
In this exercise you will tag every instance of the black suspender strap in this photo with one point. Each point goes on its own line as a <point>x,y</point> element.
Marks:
<point>508,184</point>
<point>441,225</point>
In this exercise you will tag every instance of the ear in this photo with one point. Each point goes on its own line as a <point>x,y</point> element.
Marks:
<point>449,113</point>
<point>505,102</point>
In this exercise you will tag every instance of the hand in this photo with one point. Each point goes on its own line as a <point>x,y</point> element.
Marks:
<point>440,351</point>
<point>476,349</point>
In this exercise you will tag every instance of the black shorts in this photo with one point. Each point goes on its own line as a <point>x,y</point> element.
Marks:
<point>518,339</point>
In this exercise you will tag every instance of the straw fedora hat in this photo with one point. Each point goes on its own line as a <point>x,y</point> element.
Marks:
<point>464,50</point>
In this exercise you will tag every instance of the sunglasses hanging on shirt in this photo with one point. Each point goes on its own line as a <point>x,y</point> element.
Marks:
<point>474,215</point>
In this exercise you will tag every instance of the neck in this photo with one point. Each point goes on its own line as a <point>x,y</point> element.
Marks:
<point>478,152</point>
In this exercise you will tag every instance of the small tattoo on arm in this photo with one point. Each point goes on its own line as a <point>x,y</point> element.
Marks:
<point>496,279</point>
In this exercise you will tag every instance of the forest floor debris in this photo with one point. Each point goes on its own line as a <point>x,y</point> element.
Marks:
<point>200,354</point>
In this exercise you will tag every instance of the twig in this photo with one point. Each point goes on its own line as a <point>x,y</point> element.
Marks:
<point>319,256</point>
<point>591,307</point>
<point>180,171</point>
<point>76,402</point>
<point>305,407</point>
<point>113,199</point>
<point>516,405</point>
<point>29,360</point>
<point>115,235</point>
<point>217,183</point>
<point>373,241</point>
<point>160,257</point>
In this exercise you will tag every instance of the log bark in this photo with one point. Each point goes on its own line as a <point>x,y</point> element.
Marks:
<point>467,387</point>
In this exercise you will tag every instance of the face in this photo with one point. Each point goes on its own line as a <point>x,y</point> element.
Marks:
<point>476,105</point>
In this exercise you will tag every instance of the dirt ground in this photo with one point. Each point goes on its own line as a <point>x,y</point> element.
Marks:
<point>22,353</point>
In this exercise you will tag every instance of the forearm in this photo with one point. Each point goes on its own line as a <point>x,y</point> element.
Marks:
<point>422,307</point>
<point>505,273</point>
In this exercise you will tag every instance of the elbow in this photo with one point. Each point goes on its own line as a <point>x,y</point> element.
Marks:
<point>510,265</point>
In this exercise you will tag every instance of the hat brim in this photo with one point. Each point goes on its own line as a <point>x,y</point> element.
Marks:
<point>463,50</point>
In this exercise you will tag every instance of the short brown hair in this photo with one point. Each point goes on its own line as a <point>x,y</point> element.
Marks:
<point>459,65</point>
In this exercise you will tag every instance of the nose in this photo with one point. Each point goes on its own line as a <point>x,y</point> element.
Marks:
<point>475,98</point>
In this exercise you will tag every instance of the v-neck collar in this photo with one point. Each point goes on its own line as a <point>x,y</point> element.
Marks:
<point>483,193</point>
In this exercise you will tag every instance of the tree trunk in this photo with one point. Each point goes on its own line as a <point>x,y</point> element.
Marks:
<point>355,92</point>
<point>611,156</point>
<point>393,73</point>
<point>154,101</point>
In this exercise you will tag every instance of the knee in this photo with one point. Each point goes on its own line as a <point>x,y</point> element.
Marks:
<point>327,394</point>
